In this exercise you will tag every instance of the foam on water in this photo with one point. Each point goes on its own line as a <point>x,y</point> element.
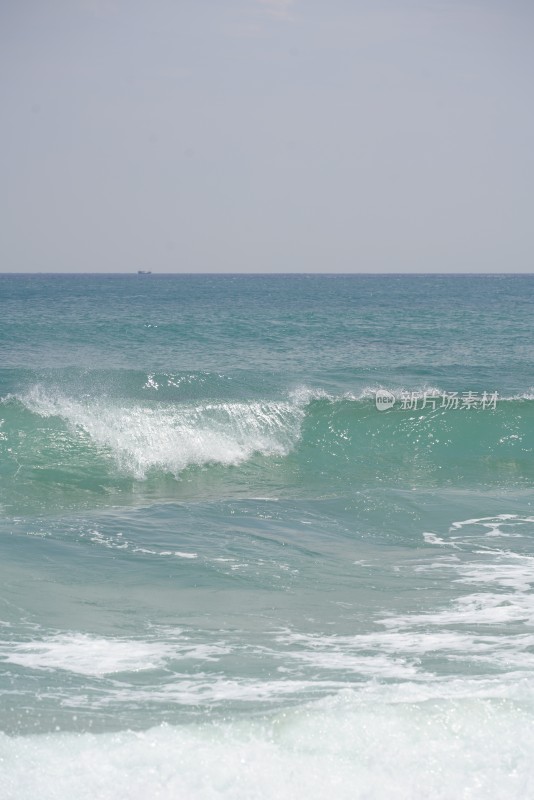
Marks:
<point>173,437</point>
<point>347,746</point>
<point>97,656</point>
<point>120,542</point>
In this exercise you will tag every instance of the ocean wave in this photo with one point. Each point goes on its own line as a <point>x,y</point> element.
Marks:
<point>89,442</point>
<point>173,437</point>
<point>304,395</point>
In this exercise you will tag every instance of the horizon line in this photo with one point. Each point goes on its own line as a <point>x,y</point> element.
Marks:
<point>273,274</point>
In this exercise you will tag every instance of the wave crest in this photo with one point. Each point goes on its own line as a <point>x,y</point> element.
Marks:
<point>174,437</point>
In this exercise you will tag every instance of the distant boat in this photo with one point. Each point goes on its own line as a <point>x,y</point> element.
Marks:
<point>144,272</point>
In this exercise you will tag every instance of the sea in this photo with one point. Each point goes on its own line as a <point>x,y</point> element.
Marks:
<point>266,536</point>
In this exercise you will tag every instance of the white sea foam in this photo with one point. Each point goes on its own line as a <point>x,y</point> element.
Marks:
<point>484,608</point>
<point>98,656</point>
<point>397,652</point>
<point>491,521</point>
<point>374,744</point>
<point>305,394</point>
<point>86,655</point>
<point>209,690</point>
<point>433,538</point>
<point>341,658</point>
<point>119,542</point>
<point>463,534</point>
<point>173,437</point>
<point>517,575</point>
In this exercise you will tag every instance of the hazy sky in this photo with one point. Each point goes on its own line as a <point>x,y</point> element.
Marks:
<point>267,135</point>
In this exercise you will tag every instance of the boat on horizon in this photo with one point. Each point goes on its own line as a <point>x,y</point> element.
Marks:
<point>144,272</point>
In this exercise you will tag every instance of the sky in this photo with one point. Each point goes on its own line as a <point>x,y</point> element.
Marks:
<point>266,136</point>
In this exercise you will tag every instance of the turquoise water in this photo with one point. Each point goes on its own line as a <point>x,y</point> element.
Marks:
<point>225,573</point>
